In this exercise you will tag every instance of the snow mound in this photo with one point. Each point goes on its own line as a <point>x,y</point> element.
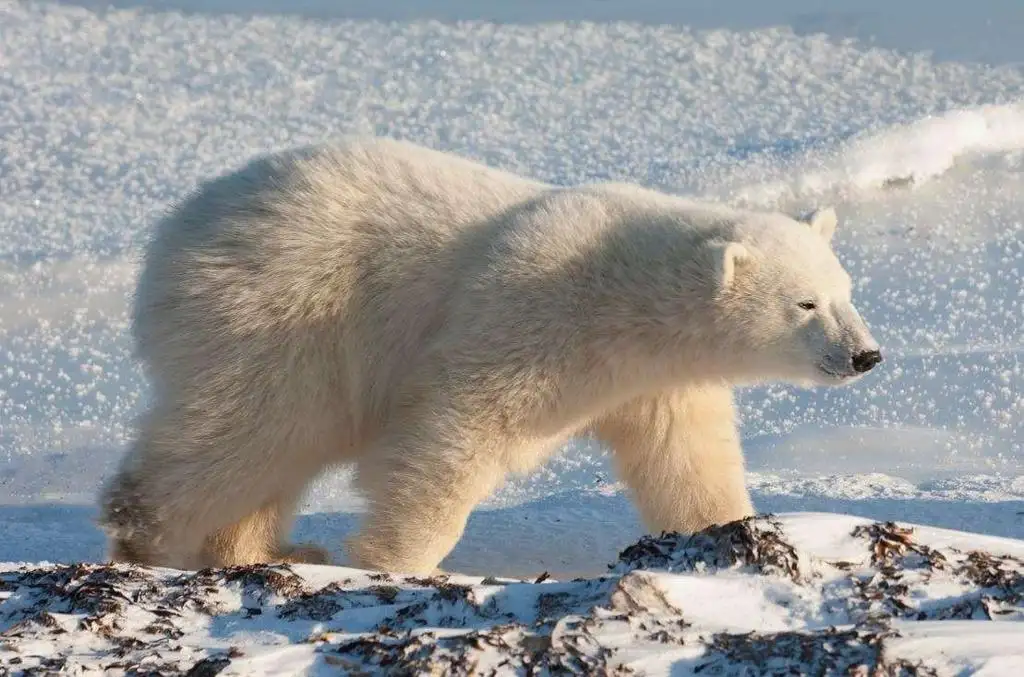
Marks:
<point>900,156</point>
<point>800,593</point>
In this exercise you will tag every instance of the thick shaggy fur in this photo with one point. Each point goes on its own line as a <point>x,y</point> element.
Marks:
<point>442,324</point>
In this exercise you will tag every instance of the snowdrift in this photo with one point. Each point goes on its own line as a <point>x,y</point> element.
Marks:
<point>800,593</point>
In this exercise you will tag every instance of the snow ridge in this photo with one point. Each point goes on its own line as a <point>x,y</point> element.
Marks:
<point>898,157</point>
<point>771,595</point>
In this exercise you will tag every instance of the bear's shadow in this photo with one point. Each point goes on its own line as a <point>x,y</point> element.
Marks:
<point>567,534</point>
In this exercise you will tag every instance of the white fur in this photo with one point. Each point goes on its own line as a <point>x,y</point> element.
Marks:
<point>441,324</point>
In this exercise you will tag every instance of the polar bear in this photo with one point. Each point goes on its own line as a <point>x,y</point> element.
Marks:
<point>441,324</point>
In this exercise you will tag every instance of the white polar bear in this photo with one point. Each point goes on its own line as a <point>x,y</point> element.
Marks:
<point>442,324</point>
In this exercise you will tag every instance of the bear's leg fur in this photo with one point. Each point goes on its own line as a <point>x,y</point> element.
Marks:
<point>680,454</point>
<point>195,492</point>
<point>259,537</point>
<point>421,488</point>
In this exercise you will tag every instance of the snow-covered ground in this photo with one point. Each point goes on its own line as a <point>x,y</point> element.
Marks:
<point>807,594</point>
<point>908,116</point>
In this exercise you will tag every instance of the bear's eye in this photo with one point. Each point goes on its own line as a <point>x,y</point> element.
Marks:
<point>807,305</point>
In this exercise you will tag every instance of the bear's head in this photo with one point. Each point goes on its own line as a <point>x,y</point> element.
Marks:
<point>784,303</point>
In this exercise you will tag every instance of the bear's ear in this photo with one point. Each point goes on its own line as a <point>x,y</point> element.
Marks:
<point>823,222</point>
<point>728,257</point>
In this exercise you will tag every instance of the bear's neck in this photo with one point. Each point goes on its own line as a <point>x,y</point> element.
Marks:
<point>641,305</point>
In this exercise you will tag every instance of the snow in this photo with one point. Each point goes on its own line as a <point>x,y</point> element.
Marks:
<point>797,594</point>
<point>909,117</point>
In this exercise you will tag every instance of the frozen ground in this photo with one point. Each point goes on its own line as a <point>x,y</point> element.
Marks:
<point>807,594</point>
<point>910,119</point>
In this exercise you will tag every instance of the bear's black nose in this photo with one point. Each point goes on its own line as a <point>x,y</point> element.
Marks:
<point>864,361</point>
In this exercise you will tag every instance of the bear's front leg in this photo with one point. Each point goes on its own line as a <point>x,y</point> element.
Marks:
<point>421,488</point>
<point>680,454</point>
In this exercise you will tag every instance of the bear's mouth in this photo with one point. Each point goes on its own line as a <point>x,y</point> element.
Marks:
<point>834,374</point>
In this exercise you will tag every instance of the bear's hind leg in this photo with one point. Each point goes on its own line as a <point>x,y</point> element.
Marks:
<point>680,454</point>
<point>420,494</point>
<point>192,488</point>
<point>259,538</point>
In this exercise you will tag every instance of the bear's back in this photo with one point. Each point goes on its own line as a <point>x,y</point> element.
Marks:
<point>296,231</point>
<point>354,247</point>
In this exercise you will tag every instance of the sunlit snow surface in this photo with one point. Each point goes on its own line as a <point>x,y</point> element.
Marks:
<point>106,117</point>
<point>807,594</point>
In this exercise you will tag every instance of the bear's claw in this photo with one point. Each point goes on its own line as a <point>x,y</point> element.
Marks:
<point>304,553</point>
